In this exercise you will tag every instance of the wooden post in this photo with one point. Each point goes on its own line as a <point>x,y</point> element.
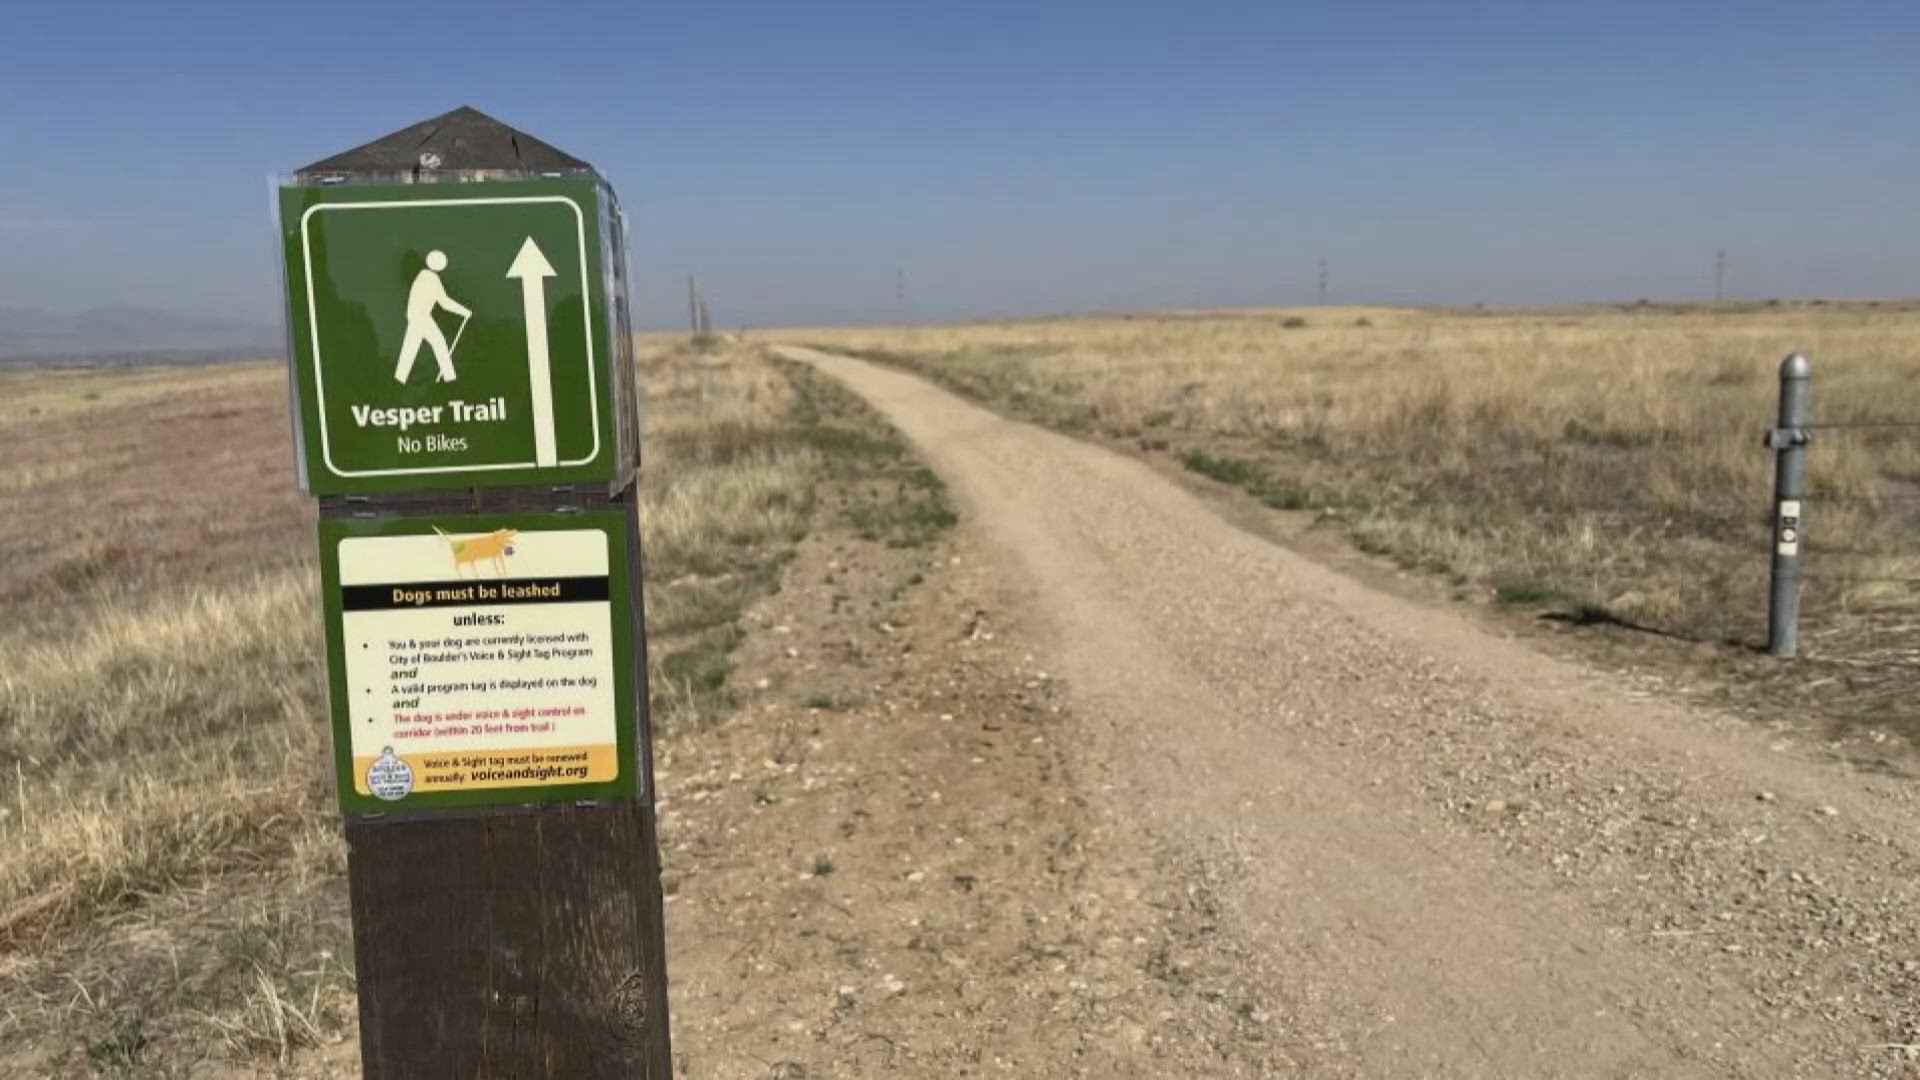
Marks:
<point>507,939</point>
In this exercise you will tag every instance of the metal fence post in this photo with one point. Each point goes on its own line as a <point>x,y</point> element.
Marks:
<point>1788,441</point>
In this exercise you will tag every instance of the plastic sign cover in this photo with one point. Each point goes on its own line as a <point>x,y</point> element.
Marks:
<point>449,336</point>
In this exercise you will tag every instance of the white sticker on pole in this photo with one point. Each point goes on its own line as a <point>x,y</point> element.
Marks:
<point>1788,534</point>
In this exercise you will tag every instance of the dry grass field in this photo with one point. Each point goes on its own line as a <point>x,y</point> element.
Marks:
<point>1601,465</point>
<point>172,900</point>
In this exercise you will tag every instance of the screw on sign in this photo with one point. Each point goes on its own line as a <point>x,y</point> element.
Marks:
<point>462,372</point>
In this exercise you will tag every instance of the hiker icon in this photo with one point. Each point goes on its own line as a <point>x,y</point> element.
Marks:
<point>427,295</point>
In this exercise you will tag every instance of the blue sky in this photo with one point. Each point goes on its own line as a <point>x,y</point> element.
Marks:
<point>1009,157</point>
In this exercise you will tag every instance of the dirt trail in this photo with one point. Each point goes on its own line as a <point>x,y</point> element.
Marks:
<point>1454,856</point>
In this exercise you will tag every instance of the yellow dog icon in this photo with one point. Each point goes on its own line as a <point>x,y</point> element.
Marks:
<point>493,547</point>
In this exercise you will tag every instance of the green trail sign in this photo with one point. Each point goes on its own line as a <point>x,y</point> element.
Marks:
<point>449,338</point>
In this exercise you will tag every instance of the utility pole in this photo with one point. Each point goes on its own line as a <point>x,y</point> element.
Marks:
<point>1322,301</point>
<point>1719,275</point>
<point>697,319</point>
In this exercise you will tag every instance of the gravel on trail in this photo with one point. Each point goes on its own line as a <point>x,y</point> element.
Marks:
<point>1439,851</point>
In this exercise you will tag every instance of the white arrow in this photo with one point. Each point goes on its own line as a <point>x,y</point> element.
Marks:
<point>533,270</point>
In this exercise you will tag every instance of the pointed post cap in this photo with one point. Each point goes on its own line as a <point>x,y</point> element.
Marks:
<point>463,145</point>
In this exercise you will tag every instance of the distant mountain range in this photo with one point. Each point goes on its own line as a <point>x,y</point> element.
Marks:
<point>122,331</point>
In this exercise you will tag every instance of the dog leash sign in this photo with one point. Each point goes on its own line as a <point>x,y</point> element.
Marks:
<point>479,660</point>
